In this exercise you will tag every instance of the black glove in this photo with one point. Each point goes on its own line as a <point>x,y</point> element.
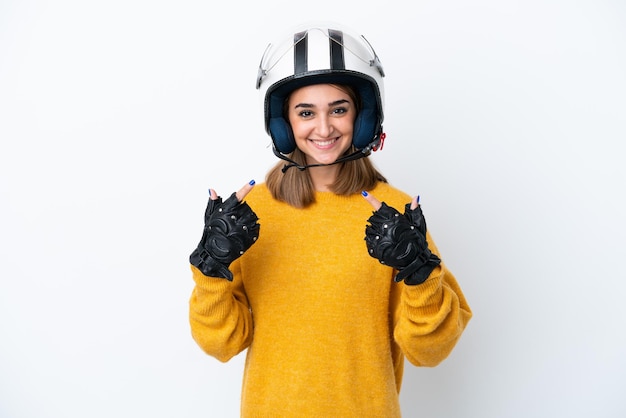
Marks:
<point>230,228</point>
<point>400,242</point>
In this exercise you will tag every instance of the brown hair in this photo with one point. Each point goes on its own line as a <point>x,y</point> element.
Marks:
<point>295,186</point>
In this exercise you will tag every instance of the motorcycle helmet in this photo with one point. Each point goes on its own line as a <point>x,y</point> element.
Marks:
<point>317,54</point>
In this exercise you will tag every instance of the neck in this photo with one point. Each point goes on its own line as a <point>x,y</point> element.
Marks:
<point>323,176</point>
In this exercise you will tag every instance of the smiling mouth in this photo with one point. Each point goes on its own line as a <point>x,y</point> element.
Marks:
<point>324,143</point>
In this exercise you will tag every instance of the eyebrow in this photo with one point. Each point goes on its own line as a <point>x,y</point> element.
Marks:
<point>331,104</point>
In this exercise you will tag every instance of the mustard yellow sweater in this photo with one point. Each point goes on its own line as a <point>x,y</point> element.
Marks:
<point>325,326</point>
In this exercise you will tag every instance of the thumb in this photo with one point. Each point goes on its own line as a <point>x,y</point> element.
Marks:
<point>241,193</point>
<point>372,200</point>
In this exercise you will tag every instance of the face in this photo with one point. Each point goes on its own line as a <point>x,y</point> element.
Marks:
<point>322,119</point>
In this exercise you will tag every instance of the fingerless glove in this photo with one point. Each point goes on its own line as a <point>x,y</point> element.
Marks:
<point>399,241</point>
<point>230,228</point>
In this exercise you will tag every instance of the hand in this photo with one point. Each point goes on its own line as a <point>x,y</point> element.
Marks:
<point>230,228</point>
<point>399,241</point>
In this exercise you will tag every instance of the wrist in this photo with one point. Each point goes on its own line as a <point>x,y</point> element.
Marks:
<point>204,261</point>
<point>418,271</point>
<point>423,272</point>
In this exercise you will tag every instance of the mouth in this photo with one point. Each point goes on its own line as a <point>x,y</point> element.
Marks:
<point>325,143</point>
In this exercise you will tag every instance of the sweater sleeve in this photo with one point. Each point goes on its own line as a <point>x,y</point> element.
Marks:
<point>219,315</point>
<point>431,317</point>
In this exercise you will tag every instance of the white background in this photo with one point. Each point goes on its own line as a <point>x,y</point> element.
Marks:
<point>507,117</point>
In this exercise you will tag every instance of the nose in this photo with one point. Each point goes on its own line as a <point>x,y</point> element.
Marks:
<point>324,126</point>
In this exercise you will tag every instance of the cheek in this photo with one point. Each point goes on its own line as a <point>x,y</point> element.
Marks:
<point>299,130</point>
<point>347,126</point>
<point>295,125</point>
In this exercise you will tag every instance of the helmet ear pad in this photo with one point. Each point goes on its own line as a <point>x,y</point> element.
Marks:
<point>277,126</point>
<point>367,123</point>
<point>282,135</point>
<point>364,128</point>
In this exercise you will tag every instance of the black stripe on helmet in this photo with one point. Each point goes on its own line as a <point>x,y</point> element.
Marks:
<point>300,53</point>
<point>337,61</point>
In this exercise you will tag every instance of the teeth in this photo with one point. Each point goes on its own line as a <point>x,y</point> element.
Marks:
<point>324,143</point>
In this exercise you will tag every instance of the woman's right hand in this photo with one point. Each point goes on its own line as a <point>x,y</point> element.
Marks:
<point>230,228</point>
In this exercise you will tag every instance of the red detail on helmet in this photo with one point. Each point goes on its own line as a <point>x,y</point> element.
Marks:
<point>380,143</point>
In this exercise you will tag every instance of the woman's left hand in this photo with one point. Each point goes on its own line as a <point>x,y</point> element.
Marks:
<point>399,241</point>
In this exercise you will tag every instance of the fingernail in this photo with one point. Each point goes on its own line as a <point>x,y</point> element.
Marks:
<point>209,189</point>
<point>364,193</point>
<point>418,198</point>
<point>252,182</point>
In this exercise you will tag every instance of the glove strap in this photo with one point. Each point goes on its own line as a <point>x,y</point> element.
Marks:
<point>418,271</point>
<point>202,259</point>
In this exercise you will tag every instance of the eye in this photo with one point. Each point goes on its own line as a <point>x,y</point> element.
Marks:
<point>339,110</point>
<point>305,114</point>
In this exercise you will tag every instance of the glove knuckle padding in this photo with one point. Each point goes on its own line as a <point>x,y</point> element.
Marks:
<point>399,241</point>
<point>230,229</point>
<point>390,238</point>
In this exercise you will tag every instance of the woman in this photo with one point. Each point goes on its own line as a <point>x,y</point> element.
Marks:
<point>325,284</point>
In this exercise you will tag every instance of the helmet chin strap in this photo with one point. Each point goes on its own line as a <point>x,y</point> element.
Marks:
<point>373,146</point>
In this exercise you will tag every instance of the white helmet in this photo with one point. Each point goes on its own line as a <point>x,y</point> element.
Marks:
<point>322,54</point>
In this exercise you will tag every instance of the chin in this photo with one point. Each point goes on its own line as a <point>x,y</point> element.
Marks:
<point>328,160</point>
